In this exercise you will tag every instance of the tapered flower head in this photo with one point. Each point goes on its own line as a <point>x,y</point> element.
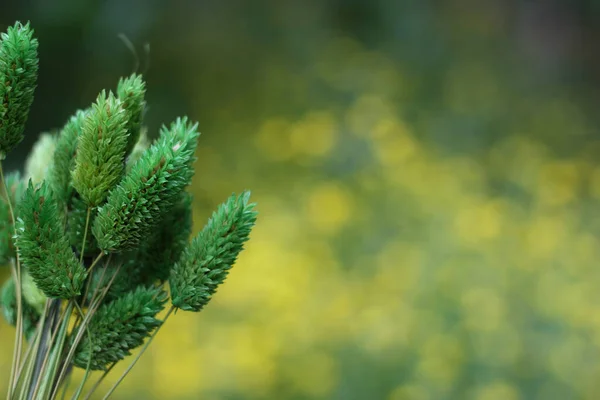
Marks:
<point>43,245</point>
<point>63,162</point>
<point>99,162</point>
<point>149,190</point>
<point>18,79</point>
<point>131,92</point>
<point>206,261</point>
<point>120,326</point>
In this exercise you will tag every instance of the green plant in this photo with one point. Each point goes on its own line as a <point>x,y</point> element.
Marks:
<point>93,238</point>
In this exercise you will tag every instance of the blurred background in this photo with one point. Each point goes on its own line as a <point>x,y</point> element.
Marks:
<point>426,173</point>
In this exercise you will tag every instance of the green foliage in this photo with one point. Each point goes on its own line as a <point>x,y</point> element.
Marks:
<point>98,183</point>
<point>149,190</point>
<point>18,76</point>
<point>43,246</point>
<point>99,160</point>
<point>120,326</point>
<point>8,299</point>
<point>59,176</point>
<point>16,187</point>
<point>131,92</point>
<point>206,261</point>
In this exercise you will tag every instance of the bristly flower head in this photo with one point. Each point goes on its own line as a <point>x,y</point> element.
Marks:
<point>43,246</point>
<point>151,263</point>
<point>59,175</point>
<point>18,77</point>
<point>120,326</point>
<point>99,162</point>
<point>131,92</point>
<point>205,262</point>
<point>149,190</point>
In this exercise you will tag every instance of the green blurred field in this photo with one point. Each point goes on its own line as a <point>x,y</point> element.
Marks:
<point>428,198</point>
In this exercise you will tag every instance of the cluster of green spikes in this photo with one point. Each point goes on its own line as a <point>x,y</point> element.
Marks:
<point>97,228</point>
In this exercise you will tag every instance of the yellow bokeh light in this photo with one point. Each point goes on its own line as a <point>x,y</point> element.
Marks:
<point>273,139</point>
<point>315,134</point>
<point>329,207</point>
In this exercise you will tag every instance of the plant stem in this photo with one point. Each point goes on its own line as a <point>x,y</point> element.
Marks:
<point>87,223</point>
<point>27,362</point>
<point>87,369</point>
<point>98,258</point>
<point>89,279</point>
<point>99,381</point>
<point>16,351</point>
<point>42,353</point>
<point>57,355</point>
<point>66,386</point>
<point>91,311</point>
<point>46,345</point>
<point>135,360</point>
<point>31,355</point>
<point>17,277</point>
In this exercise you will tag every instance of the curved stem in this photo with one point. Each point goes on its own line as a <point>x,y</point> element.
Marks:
<point>89,279</point>
<point>99,381</point>
<point>135,360</point>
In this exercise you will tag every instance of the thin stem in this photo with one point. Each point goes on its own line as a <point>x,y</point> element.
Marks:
<point>30,362</point>
<point>47,339</point>
<point>98,258</point>
<point>56,356</point>
<point>91,311</point>
<point>27,362</point>
<point>17,277</point>
<point>16,348</point>
<point>60,331</point>
<point>71,352</point>
<point>99,381</point>
<point>66,386</point>
<point>89,279</point>
<point>135,360</point>
<point>87,224</point>
<point>42,368</point>
<point>87,369</point>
